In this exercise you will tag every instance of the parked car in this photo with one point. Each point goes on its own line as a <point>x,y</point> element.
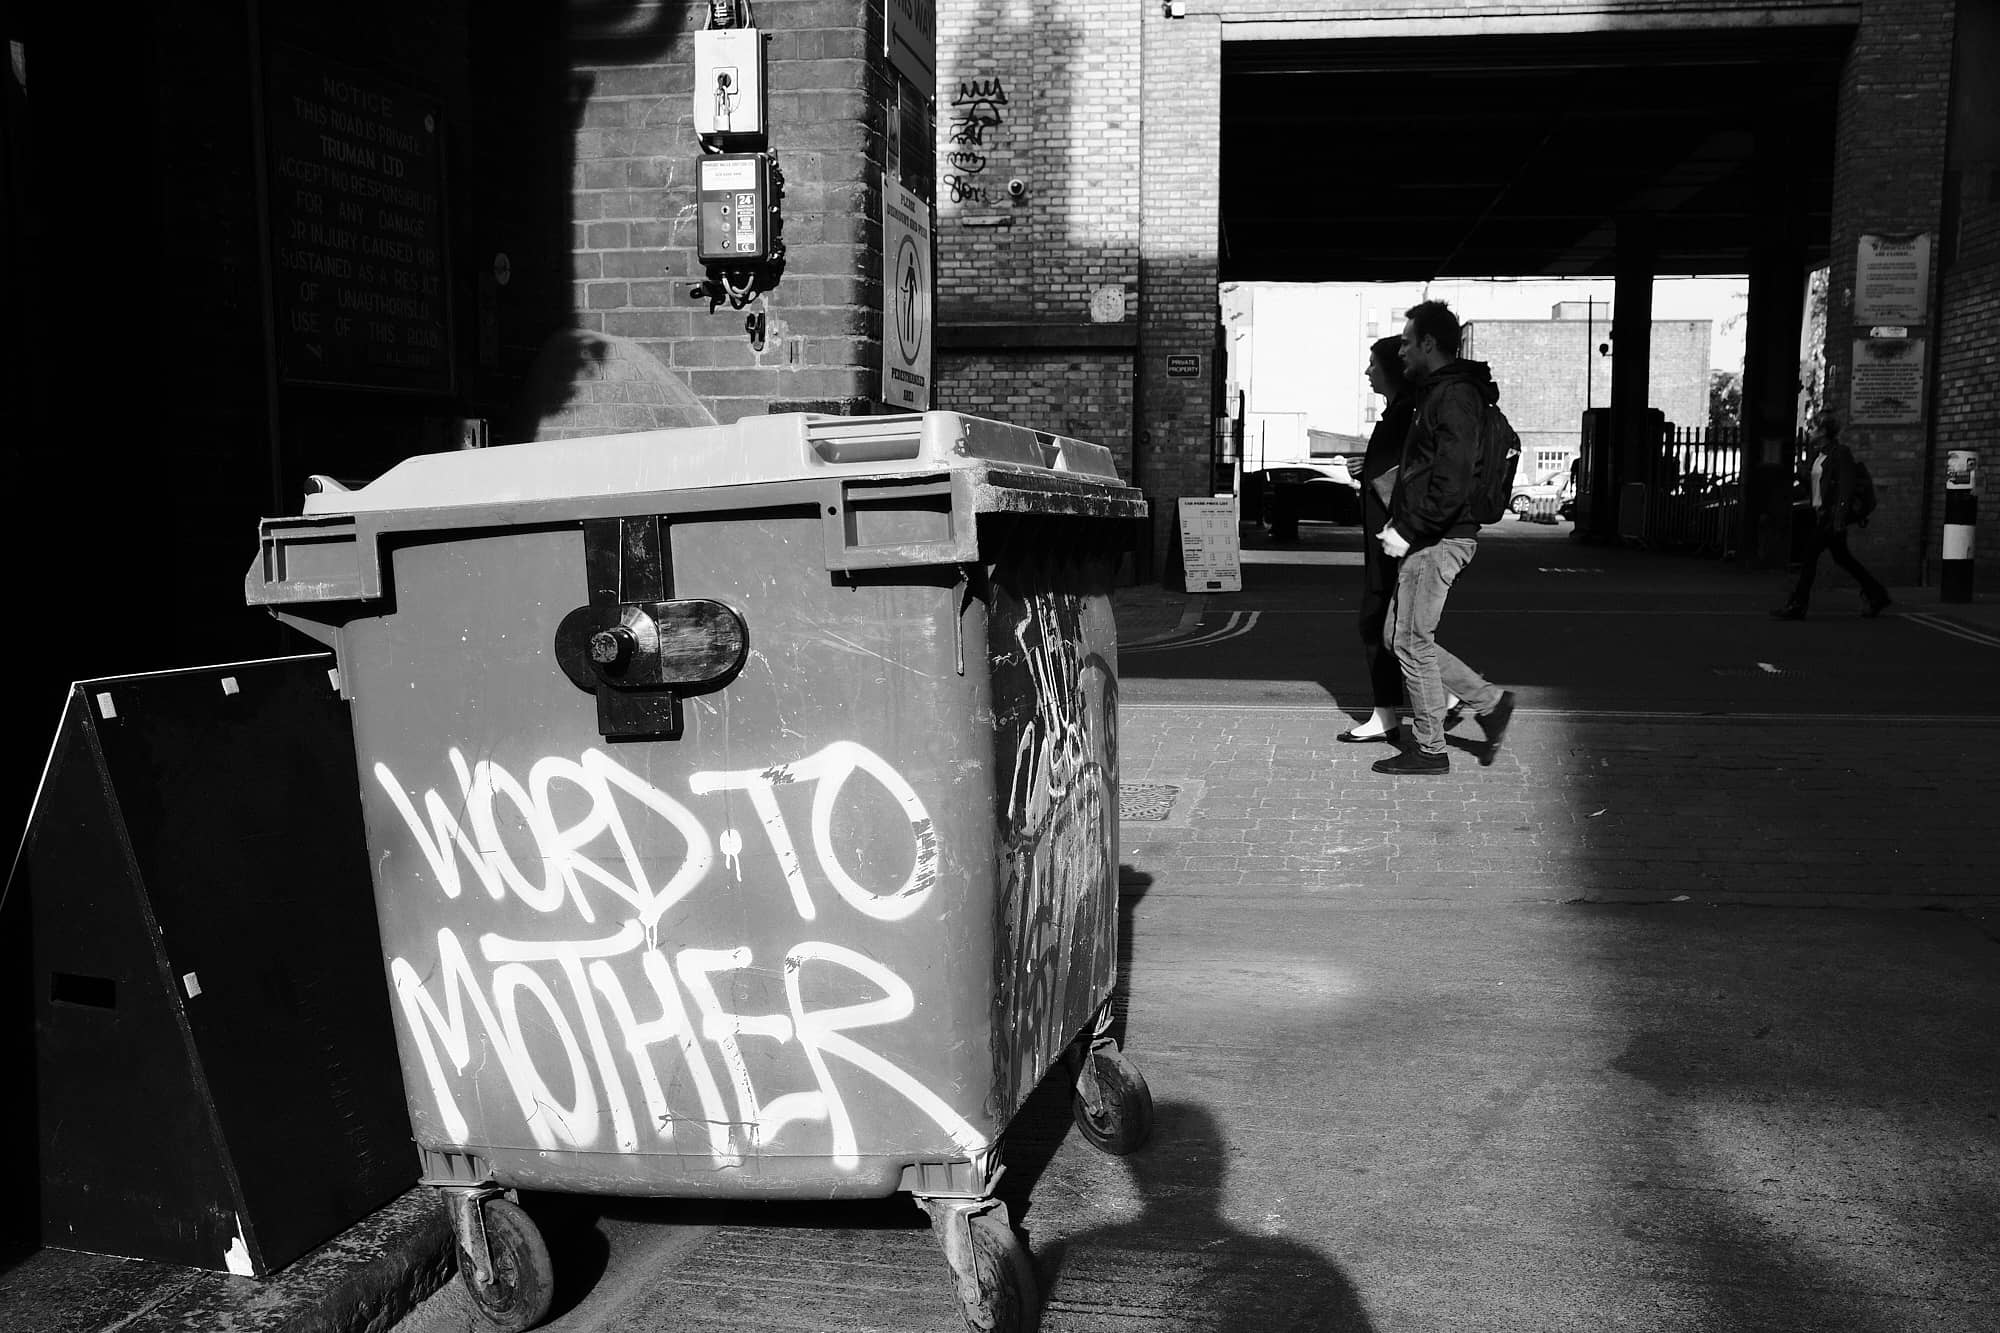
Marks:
<point>1544,497</point>
<point>1315,492</point>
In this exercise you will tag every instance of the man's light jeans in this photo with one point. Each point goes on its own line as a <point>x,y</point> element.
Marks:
<point>1430,673</point>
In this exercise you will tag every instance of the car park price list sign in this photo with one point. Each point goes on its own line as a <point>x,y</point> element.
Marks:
<point>357,220</point>
<point>1211,551</point>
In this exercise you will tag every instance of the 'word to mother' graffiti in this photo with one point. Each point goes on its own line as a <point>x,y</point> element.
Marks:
<point>584,992</point>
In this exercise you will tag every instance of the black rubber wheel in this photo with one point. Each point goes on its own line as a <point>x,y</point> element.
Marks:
<point>1127,1121</point>
<point>523,1281</point>
<point>1007,1289</point>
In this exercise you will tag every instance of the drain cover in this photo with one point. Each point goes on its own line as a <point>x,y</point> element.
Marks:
<point>1142,800</point>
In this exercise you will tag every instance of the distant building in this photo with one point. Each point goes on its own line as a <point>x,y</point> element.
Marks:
<point>1296,355</point>
<point>1548,370</point>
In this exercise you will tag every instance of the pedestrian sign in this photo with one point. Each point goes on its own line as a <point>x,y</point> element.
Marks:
<point>906,299</point>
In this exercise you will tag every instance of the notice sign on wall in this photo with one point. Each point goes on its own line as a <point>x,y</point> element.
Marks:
<point>909,36</point>
<point>357,222</point>
<point>906,299</point>
<point>1887,384</point>
<point>1892,279</point>
<point>1211,548</point>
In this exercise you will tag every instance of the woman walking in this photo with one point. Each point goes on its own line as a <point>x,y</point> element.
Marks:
<point>1378,570</point>
<point>1834,476</point>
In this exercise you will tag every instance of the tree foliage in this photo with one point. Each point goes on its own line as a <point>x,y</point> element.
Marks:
<point>1725,399</point>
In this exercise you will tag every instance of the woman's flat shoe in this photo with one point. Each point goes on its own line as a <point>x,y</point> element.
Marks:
<point>1359,737</point>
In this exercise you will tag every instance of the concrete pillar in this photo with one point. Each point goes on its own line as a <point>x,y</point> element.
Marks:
<point>1631,361</point>
<point>1771,356</point>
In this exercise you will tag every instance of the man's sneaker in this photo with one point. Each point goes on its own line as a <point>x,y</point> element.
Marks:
<point>1494,723</point>
<point>1414,763</point>
<point>1789,612</point>
<point>1874,609</point>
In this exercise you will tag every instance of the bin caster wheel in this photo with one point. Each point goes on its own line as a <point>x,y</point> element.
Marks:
<point>1112,1104</point>
<point>516,1294</point>
<point>996,1282</point>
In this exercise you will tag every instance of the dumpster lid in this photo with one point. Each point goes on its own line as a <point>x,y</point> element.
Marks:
<point>754,450</point>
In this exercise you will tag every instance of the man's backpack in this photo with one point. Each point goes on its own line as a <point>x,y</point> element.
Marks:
<point>1499,459</point>
<point>1862,503</point>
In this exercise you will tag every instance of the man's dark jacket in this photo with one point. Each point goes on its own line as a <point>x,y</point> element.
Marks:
<point>1433,494</point>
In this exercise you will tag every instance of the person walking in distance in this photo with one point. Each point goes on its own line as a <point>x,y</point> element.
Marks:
<point>1378,568</point>
<point>1832,496</point>
<point>1433,535</point>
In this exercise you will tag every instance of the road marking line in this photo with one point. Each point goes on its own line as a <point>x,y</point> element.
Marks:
<point>1190,617</point>
<point>1602,714</point>
<point>1239,624</point>
<point>1985,638</point>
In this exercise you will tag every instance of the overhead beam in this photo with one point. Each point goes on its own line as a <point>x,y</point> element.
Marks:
<point>1579,23</point>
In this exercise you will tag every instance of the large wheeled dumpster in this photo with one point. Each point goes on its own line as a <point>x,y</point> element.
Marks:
<point>743,809</point>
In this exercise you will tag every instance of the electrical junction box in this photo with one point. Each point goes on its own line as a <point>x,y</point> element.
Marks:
<point>733,191</point>
<point>728,83</point>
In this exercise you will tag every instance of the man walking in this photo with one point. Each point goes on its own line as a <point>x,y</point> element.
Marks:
<point>1432,531</point>
<point>1834,474</point>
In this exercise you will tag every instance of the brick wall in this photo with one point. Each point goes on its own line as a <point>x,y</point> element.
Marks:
<point>1889,178</point>
<point>1540,368</point>
<point>1048,98</point>
<point>1494,15</point>
<point>1084,395</point>
<point>633,199</point>
<point>1005,259</point>
<point>1180,309</point>
<point>1968,410</point>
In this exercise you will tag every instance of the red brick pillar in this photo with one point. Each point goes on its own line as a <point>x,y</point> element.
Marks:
<point>1038,124</point>
<point>1180,201</point>
<point>1889,179</point>
<point>633,199</point>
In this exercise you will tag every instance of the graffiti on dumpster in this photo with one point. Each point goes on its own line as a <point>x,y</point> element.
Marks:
<point>606,1005</point>
<point>1057,818</point>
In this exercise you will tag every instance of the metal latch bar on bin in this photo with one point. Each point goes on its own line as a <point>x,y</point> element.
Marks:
<point>636,646</point>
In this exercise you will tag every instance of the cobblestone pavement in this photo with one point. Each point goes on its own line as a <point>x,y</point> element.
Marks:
<point>1804,811</point>
<point>1672,739</point>
<point>1539,1045</point>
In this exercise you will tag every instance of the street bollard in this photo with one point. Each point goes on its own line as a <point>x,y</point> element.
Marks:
<point>1961,511</point>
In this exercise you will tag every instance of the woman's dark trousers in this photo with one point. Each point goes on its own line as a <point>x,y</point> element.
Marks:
<point>1378,586</point>
<point>1833,541</point>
